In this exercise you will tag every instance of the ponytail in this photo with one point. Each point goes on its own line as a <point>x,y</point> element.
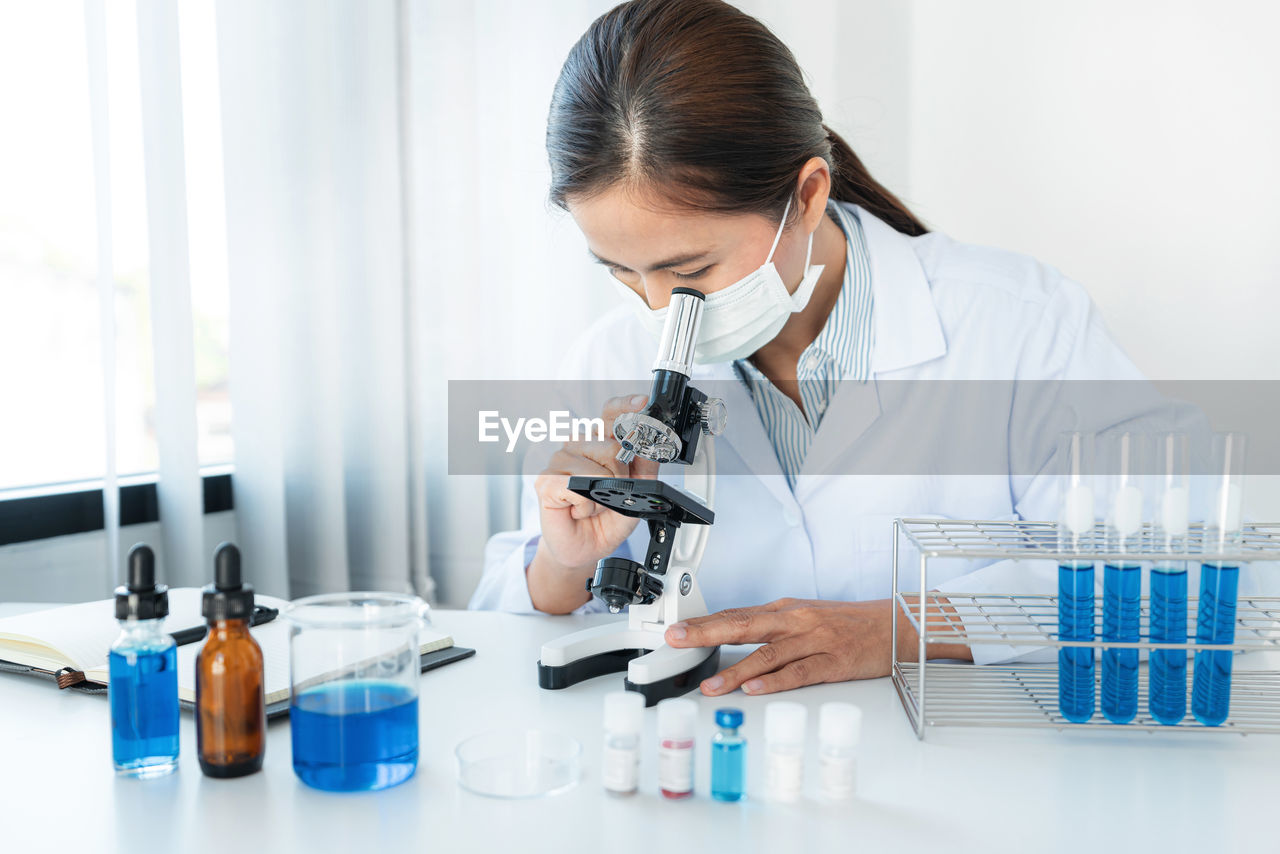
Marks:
<point>851,182</point>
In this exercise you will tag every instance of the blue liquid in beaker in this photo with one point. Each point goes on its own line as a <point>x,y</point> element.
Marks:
<point>1121,622</point>
<point>1075,623</point>
<point>355,735</point>
<point>1215,623</point>
<point>144,709</point>
<point>1167,671</point>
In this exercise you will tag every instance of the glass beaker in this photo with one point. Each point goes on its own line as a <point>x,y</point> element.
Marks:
<point>353,704</point>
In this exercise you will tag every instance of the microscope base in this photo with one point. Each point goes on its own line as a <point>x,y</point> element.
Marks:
<point>679,684</point>
<point>654,670</point>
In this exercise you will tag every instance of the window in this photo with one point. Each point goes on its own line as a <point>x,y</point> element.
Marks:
<point>51,330</point>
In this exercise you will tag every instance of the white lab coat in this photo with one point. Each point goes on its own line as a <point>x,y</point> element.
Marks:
<point>943,310</point>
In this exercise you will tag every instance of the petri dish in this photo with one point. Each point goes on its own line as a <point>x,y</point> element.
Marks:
<point>511,763</point>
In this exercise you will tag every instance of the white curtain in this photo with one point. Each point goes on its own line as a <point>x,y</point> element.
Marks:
<point>319,303</point>
<point>502,279</point>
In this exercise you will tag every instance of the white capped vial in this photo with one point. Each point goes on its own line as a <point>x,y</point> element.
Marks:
<point>677,720</point>
<point>623,724</point>
<point>784,731</point>
<point>839,730</point>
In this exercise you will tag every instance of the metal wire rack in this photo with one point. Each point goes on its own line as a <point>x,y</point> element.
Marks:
<point>1026,695</point>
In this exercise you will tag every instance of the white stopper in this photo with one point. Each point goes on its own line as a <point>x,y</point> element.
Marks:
<point>1228,508</point>
<point>1175,511</point>
<point>677,718</point>
<point>784,722</point>
<point>1078,513</point>
<point>1126,516</point>
<point>624,712</point>
<point>839,724</point>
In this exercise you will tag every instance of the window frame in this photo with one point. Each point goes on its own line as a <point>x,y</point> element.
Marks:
<point>57,510</point>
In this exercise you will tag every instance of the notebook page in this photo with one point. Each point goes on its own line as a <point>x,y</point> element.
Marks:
<point>81,635</point>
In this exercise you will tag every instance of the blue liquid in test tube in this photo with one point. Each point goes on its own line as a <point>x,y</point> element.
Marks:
<point>1075,623</point>
<point>1121,622</point>
<point>1075,577</point>
<point>1167,671</point>
<point>1215,623</point>
<point>1125,459</point>
<point>1219,583</point>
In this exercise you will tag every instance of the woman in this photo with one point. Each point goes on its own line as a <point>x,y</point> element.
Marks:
<point>685,145</point>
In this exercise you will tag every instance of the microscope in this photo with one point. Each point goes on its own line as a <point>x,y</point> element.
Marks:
<point>677,426</point>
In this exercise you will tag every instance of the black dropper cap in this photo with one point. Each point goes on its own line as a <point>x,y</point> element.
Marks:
<point>141,598</point>
<point>227,598</point>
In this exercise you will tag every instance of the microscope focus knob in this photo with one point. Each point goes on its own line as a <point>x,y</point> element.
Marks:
<point>714,416</point>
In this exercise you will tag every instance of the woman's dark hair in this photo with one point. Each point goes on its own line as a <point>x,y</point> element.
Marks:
<point>702,102</point>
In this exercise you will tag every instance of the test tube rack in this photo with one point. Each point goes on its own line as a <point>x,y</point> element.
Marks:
<point>943,693</point>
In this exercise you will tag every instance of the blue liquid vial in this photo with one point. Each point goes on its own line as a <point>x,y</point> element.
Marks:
<point>1122,623</point>
<point>354,735</point>
<point>1167,670</point>
<point>143,690</point>
<point>728,757</point>
<point>1075,623</point>
<point>1215,623</point>
<point>142,671</point>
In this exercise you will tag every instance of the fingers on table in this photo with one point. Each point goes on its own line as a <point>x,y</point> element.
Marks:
<point>803,671</point>
<point>767,659</point>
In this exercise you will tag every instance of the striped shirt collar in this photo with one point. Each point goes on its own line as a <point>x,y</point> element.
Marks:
<point>847,335</point>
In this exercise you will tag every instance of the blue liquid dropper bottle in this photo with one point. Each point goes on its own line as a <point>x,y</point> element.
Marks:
<point>143,667</point>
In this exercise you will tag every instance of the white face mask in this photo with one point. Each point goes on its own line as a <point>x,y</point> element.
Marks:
<point>742,318</point>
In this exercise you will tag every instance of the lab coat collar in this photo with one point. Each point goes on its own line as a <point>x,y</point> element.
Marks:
<point>907,329</point>
<point>907,332</point>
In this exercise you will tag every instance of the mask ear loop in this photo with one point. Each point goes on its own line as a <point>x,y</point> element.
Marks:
<point>777,238</point>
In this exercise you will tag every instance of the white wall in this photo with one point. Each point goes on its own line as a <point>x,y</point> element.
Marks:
<point>1131,145</point>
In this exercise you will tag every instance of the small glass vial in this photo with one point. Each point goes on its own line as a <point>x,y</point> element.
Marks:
<point>677,719</point>
<point>230,708</point>
<point>623,723</point>
<point>143,684</point>
<point>728,757</point>
<point>839,730</point>
<point>784,733</point>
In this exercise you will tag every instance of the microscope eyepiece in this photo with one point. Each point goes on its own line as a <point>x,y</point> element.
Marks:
<point>680,333</point>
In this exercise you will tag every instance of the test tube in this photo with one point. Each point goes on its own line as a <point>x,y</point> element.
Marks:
<point>1125,460</point>
<point>1167,670</point>
<point>1075,577</point>
<point>1219,582</point>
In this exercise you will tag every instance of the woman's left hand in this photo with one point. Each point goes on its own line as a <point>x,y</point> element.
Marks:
<point>806,641</point>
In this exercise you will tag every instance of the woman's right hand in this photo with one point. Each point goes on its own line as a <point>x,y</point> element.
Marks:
<point>576,531</point>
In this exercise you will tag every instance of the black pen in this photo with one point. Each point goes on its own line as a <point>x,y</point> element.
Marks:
<point>261,614</point>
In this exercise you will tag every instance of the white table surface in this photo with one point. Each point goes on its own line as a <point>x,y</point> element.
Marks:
<point>959,790</point>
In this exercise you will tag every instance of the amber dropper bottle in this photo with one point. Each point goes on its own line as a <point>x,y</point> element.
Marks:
<point>230,710</point>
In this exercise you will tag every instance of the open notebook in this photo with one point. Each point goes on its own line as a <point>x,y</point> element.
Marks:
<point>71,643</point>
